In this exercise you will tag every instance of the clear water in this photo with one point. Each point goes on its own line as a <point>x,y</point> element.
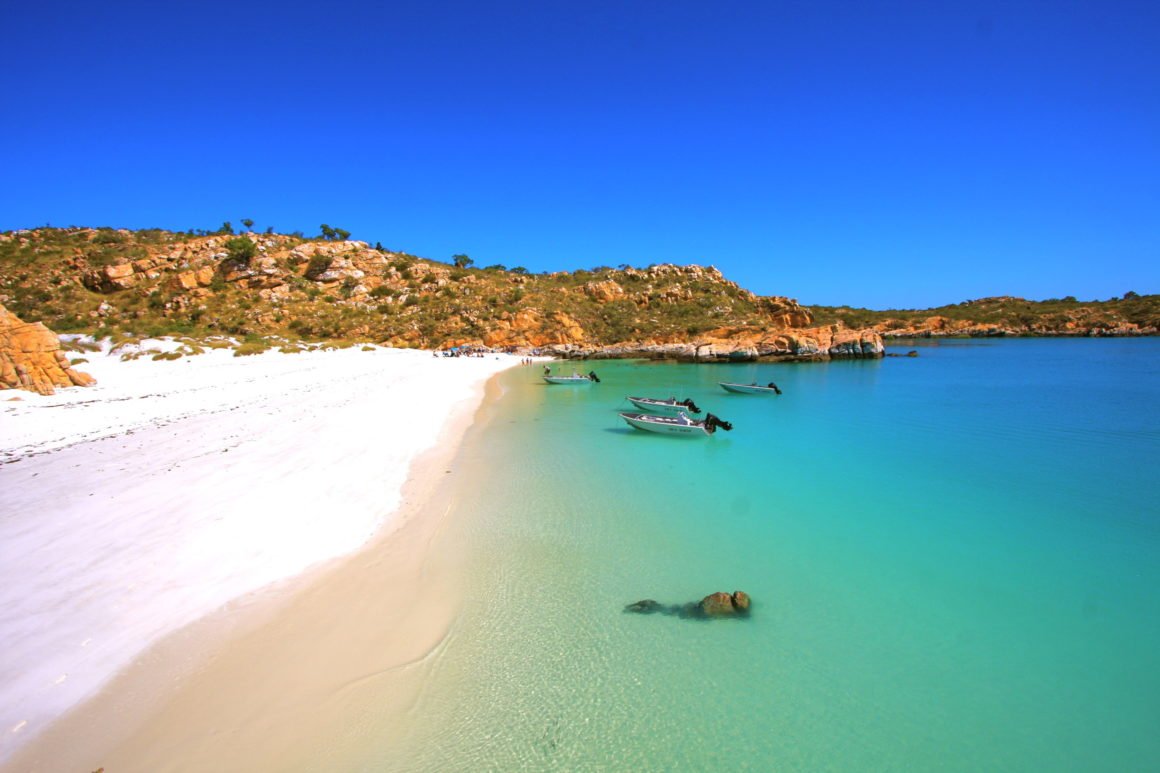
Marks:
<point>954,561</point>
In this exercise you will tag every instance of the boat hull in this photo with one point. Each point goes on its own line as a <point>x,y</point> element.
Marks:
<point>664,425</point>
<point>568,380</point>
<point>659,407</point>
<point>747,389</point>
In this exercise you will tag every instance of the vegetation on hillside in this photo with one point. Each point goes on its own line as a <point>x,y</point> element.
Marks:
<point>98,280</point>
<point>155,282</point>
<point>1018,315</point>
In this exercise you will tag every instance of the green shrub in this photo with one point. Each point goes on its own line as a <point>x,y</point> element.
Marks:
<point>247,349</point>
<point>108,236</point>
<point>241,249</point>
<point>318,265</point>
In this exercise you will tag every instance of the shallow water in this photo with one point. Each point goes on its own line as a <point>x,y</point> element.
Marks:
<point>954,561</point>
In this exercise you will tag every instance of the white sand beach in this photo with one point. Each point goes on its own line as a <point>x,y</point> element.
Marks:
<point>172,490</point>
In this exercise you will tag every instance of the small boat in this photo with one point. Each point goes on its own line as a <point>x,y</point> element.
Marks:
<point>680,424</point>
<point>574,379</point>
<point>751,389</point>
<point>670,407</point>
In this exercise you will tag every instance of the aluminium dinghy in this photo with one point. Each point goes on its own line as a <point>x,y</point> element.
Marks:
<point>680,424</point>
<point>751,389</point>
<point>670,407</point>
<point>575,379</point>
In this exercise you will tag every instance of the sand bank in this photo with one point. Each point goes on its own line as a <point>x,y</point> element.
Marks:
<point>169,492</point>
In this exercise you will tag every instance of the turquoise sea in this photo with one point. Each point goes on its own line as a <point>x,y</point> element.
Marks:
<point>954,561</point>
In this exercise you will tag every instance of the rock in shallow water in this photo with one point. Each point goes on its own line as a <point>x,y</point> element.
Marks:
<point>714,605</point>
<point>644,606</point>
<point>717,604</point>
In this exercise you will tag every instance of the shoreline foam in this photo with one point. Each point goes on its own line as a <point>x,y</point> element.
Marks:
<point>319,449</point>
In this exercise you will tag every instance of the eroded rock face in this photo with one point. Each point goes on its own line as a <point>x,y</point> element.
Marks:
<point>109,279</point>
<point>742,345</point>
<point>30,358</point>
<point>528,327</point>
<point>603,292</point>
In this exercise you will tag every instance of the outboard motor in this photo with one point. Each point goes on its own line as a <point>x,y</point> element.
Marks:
<point>773,386</point>
<point>592,376</point>
<point>712,423</point>
<point>692,406</point>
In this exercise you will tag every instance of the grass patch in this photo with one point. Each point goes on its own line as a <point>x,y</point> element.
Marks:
<point>252,347</point>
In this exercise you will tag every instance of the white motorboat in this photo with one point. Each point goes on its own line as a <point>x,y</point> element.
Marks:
<point>680,424</point>
<point>575,379</point>
<point>670,407</point>
<point>751,389</point>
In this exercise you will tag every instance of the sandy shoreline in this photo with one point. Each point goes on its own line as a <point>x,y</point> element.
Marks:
<point>280,652</point>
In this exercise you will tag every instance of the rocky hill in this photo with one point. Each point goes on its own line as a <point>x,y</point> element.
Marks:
<point>1131,315</point>
<point>154,282</point>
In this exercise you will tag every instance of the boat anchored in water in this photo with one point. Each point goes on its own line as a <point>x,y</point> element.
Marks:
<point>575,378</point>
<point>670,407</point>
<point>751,389</point>
<point>680,424</point>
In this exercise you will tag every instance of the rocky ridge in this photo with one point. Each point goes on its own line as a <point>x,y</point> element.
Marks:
<point>94,280</point>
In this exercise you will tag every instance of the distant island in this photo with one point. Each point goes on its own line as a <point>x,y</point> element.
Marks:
<point>255,286</point>
<point>1130,315</point>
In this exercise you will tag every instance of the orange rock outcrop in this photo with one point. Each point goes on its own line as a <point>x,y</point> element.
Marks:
<point>30,358</point>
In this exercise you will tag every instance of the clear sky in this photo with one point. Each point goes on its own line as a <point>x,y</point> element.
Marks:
<point>901,154</point>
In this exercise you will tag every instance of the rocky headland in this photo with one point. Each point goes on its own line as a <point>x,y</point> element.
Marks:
<point>257,286</point>
<point>103,281</point>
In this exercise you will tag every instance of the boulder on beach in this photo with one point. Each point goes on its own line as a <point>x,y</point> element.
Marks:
<point>30,358</point>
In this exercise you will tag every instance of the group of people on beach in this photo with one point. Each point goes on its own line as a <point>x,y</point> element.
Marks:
<point>457,353</point>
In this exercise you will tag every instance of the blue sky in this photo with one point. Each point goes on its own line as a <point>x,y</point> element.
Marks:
<point>902,154</point>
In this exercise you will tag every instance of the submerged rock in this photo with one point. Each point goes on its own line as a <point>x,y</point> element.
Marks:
<point>717,604</point>
<point>714,605</point>
<point>644,606</point>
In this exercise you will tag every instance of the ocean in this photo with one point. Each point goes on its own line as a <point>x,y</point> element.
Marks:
<point>954,561</point>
